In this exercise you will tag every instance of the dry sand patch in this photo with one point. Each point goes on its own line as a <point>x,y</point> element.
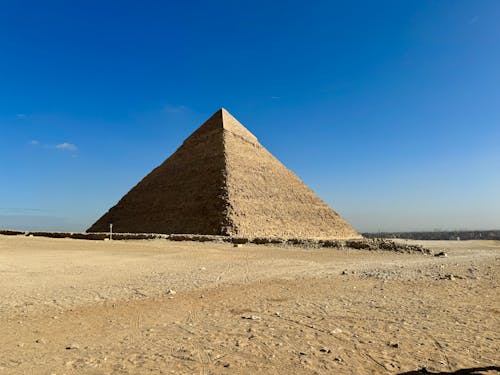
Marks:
<point>83,307</point>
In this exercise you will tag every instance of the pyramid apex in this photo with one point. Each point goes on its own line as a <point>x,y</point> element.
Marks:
<point>231,124</point>
<point>221,110</point>
<point>220,113</point>
<point>224,112</point>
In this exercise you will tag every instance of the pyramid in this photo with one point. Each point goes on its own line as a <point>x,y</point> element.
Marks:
<point>222,181</point>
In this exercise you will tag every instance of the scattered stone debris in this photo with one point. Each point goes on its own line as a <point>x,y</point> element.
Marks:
<point>387,245</point>
<point>325,350</point>
<point>171,292</point>
<point>381,274</point>
<point>372,244</point>
<point>441,254</point>
<point>394,345</point>
<point>73,347</point>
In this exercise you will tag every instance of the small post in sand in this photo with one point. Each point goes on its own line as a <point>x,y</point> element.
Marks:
<point>110,231</point>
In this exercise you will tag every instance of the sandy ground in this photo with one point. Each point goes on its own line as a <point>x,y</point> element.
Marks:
<point>96,307</point>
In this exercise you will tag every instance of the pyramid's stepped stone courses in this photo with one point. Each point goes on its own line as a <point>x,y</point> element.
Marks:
<point>221,181</point>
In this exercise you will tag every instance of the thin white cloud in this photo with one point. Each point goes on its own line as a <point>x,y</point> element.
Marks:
<point>21,116</point>
<point>275,97</point>
<point>66,146</point>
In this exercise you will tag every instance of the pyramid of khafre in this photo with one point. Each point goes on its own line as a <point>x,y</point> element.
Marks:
<point>221,181</point>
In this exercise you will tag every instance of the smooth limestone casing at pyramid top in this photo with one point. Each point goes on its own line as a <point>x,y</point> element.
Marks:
<point>221,181</point>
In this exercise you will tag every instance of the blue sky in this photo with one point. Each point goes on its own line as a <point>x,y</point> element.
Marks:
<point>389,110</point>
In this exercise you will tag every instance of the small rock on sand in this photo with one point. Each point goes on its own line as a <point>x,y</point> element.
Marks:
<point>251,317</point>
<point>448,277</point>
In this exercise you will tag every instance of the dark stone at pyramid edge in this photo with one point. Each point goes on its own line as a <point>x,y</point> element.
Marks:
<point>222,181</point>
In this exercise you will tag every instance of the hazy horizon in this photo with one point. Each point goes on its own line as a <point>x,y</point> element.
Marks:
<point>389,111</point>
<point>26,223</point>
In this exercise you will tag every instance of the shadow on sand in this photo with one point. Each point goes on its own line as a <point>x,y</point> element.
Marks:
<point>465,371</point>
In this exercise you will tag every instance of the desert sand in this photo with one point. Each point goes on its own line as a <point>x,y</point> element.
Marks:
<point>158,307</point>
